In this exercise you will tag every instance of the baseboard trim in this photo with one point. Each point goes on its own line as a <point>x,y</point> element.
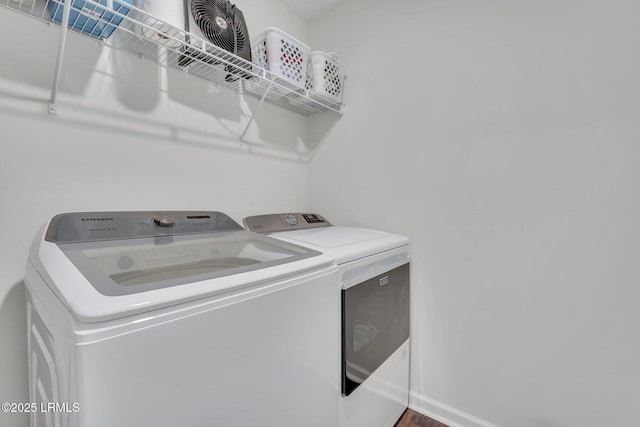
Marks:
<point>445,413</point>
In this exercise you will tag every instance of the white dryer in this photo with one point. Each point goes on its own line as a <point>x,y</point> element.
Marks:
<point>178,318</point>
<point>374,278</point>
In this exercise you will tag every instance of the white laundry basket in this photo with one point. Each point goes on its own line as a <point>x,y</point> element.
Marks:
<point>283,55</point>
<point>325,76</point>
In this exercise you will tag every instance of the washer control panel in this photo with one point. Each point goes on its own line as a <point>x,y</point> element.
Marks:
<point>273,223</point>
<point>96,226</point>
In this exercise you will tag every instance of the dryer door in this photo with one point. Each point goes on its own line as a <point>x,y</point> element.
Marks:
<point>375,323</point>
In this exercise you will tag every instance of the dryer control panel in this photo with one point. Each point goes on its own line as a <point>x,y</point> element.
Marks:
<point>95,226</point>
<point>273,223</point>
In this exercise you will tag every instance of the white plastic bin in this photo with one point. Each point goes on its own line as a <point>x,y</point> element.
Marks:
<point>325,76</point>
<point>283,55</point>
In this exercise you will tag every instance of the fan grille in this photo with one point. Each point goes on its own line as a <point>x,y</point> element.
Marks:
<point>216,19</point>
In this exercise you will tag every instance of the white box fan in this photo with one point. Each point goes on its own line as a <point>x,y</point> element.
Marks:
<point>221,24</point>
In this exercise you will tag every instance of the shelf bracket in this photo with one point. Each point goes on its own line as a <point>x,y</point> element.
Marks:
<point>61,46</point>
<point>253,114</point>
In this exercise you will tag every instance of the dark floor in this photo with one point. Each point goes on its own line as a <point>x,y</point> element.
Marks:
<point>413,419</point>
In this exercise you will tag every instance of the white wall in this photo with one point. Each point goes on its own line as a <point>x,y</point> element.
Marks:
<point>128,136</point>
<point>503,138</point>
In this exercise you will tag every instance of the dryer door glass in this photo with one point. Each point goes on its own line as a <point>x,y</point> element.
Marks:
<point>375,323</point>
<point>120,267</point>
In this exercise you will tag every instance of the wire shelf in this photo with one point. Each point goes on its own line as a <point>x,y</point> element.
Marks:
<point>139,33</point>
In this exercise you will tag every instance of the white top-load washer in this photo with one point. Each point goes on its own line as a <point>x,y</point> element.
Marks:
<point>178,318</point>
<point>374,280</point>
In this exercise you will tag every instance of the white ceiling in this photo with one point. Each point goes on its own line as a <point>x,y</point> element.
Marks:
<point>310,9</point>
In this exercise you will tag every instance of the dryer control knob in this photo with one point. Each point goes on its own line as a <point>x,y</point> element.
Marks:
<point>164,220</point>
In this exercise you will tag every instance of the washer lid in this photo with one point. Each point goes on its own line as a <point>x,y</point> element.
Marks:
<point>344,243</point>
<point>128,266</point>
<point>100,279</point>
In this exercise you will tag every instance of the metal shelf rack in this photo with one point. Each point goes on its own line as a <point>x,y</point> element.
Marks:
<point>176,49</point>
